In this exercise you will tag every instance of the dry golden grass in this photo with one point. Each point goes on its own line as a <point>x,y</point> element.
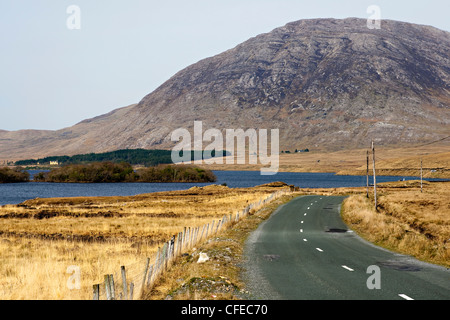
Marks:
<point>389,161</point>
<point>41,238</point>
<point>220,278</point>
<point>408,220</point>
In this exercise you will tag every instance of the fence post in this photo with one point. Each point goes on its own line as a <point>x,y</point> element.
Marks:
<point>218,224</point>
<point>180,243</point>
<point>145,275</point>
<point>96,289</point>
<point>188,236</point>
<point>172,249</point>
<point>131,290</point>
<point>113,288</point>
<point>150,274</point>
<point>107,287</point>
<point>166,254</point>
<point>156,263</point>
<point>124,282</point>
<point>183,239</point>
<point>203,229</point>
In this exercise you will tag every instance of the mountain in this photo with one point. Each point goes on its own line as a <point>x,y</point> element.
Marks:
<point>325,83</point>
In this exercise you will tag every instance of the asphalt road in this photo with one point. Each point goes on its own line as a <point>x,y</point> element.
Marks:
<point>304,251</point>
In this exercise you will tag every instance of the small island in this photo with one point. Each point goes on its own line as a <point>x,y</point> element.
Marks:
<point>18,174</point>
<point>109,172</point>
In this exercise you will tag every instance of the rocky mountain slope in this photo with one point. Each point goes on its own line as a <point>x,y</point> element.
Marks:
<point>324,83</point>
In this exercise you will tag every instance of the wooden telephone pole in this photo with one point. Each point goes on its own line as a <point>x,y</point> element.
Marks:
<point>374,177</point>
<point>367,172</point>
<point>421,175</point>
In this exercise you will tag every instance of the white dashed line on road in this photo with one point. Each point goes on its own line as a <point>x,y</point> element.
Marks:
<point>404,296</point>
<point>305,240</point>
<point>318,249</point>
<point>347,268</point>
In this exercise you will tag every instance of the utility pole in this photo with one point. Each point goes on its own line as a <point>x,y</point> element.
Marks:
<point>367,172</point>
<point>374,177</point>
<point>421,175</point>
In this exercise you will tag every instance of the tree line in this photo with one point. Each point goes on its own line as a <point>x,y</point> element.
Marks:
<point>143,157</point>
<point>132,156</point>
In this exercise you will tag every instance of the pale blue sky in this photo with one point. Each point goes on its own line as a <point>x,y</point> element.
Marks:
<point>53,77</point>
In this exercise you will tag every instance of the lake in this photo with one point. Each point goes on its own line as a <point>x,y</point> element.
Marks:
<point>14,193</point>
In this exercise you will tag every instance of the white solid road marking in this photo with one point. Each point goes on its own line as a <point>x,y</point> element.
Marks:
<point>349,269</point>
<point>404,296</point>
<point>318,249</point>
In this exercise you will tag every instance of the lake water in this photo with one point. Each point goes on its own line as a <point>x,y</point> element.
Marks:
<point>14,193</point>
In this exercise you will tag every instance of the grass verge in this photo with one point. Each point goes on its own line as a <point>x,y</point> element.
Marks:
<point>407,221</point>
<point>218,278</point>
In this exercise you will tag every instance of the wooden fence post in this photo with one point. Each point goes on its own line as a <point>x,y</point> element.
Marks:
<point>203,230</point>
<point>112,286</point>
<point>124,282</point>
<point>207,230</point>
<point>131,290</point>
<point>218,224</point>
<point>96,289</point>
<point>183,239</point>
<point>145,275</point>
<point>107,287</point>
<point>149,277</point>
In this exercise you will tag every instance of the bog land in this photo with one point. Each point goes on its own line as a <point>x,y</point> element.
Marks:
<point>41,238</point>
<point>408,221</point>
<point>398,161</point>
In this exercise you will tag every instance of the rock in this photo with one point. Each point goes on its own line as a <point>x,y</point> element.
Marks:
<point>202,258</point>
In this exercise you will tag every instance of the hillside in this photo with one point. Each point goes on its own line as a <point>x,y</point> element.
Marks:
<point>325,83</point>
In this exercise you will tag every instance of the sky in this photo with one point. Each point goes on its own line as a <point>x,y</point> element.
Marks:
<point>63,61</point>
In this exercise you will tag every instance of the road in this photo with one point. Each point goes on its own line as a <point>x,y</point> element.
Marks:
<point>304,251</point>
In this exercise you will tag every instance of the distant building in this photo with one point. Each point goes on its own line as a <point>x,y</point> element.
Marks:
<point>54,163</point>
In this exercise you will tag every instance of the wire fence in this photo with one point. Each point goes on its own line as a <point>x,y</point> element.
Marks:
<point>130,282</point>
